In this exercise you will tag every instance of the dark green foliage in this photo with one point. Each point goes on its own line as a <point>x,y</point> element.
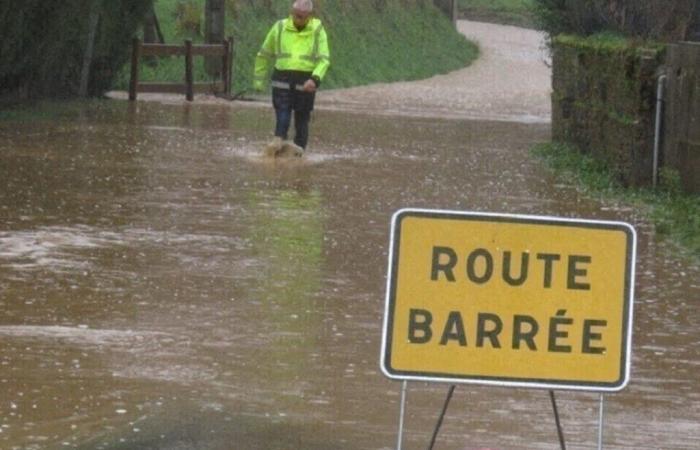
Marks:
<point>44,43</point>
<point>568,16</point>
<point>663,20</point>
<point>507,12</point>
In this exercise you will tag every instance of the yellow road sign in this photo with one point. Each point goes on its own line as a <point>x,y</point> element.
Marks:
<point>510,300</point>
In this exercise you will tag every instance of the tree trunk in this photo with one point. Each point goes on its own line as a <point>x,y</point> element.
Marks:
<point>448,7</point>
<point>214,22</point>
<point>151,29</point>
<point>87,57</point>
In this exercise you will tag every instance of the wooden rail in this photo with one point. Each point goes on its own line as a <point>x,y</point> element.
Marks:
<point>189,51</point>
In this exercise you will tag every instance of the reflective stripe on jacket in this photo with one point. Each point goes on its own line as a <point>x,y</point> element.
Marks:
<point>286,48</point>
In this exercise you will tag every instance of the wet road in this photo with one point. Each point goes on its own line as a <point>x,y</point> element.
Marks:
<point>163,287</point>
<point>510,81</point>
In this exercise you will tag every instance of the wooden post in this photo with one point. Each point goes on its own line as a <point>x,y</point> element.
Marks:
<point>152,33</point>
<point>449,8</point>
<point>134,81</point>
<point>214,23</point>
<point>89,48</point>
<point>226,64</point>
<point>189,78</point>
<point>229,85</point>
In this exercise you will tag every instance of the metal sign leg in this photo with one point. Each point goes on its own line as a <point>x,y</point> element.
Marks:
<point>401,414</point>
<point>442,416</point>
<point>560,431</point>
<point>601,422</point>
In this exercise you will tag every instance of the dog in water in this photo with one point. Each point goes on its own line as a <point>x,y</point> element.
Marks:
<point>278,148</point>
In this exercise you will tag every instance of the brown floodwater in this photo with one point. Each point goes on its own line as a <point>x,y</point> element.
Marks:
<point>164,287</point>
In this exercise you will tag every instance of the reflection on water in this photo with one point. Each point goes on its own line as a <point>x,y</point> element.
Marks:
<point>162,286</point>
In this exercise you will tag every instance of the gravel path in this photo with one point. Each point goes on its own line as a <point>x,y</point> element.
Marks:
<point>510,81</point>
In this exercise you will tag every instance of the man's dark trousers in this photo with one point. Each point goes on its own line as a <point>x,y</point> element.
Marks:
<point>287,100</point>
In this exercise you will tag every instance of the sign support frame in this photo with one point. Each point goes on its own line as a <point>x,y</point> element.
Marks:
<point>402,410</point>
<point>628,272</point>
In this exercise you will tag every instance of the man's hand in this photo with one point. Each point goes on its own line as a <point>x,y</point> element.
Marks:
<point>310,85</point>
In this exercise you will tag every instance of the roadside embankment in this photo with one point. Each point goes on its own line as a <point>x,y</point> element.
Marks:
<point>49,50</point>
<point>370,41</point>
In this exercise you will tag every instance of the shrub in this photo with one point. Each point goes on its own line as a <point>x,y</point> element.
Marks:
<point>663,20</point>
<point>44,44</point>
<point>188,17</point>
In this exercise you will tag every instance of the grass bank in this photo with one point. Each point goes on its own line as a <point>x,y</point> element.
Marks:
<point>507,12</point>
<point>370,41</point>
<point>676,215</point>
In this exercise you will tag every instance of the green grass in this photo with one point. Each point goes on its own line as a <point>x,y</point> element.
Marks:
<point>403,40</point>
<point>674,213</point>
<point>608,42</point>
<point>508,12</point>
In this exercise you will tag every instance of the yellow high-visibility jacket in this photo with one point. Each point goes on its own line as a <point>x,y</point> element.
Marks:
<point>286,48</point>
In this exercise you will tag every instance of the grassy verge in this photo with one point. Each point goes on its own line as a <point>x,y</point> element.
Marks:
<point>401,40</point>
<point>507,12</point>
<point>675,214</point>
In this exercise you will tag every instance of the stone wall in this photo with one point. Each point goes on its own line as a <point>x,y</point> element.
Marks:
<point>681,138</point>
<point>603,102</point>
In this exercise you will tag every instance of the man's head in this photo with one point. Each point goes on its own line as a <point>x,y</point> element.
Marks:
<point>301,12</point>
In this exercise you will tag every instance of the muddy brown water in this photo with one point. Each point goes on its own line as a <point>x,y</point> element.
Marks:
<point>163,287</point>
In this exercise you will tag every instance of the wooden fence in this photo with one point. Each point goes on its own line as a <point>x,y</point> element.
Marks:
<point>189,51</point>
<point>681,122</point>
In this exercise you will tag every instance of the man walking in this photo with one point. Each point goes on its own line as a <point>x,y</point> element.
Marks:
<point>296,48</point>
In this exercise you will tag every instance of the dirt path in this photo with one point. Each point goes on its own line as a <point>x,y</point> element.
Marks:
<point>510,81</point>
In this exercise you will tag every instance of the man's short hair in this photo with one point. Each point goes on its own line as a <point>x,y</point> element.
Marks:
<point>303,5</point>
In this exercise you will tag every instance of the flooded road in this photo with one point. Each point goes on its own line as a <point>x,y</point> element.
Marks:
<point>163,287</point>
